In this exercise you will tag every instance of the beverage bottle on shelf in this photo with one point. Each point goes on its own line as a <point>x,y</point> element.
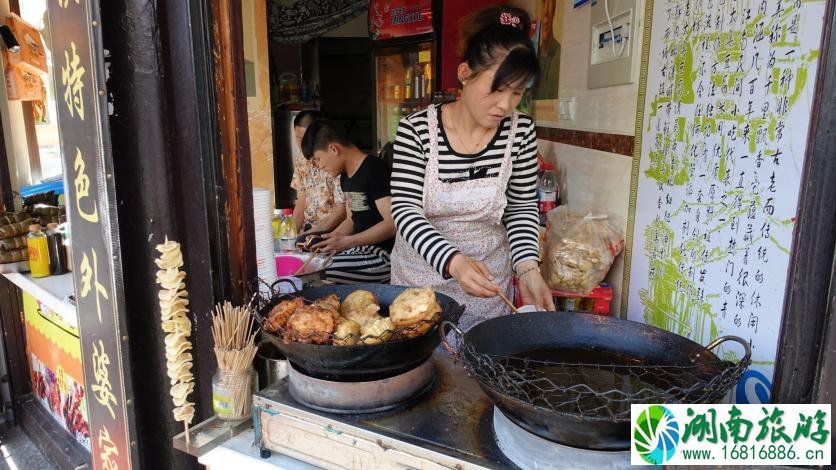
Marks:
<point>419,82</point>
<point>408,92</point>
<point>428,77</point>
<point>278,218</point>
<point>547,191</point>
<point>394,117</point>
<point>57,252</point>
<point>287,231</point>
<point>38,248</point>
<point>277,221</point>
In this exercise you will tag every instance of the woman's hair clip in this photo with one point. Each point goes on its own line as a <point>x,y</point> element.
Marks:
<point>508,19</point>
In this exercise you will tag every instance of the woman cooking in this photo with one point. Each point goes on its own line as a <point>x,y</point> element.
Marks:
<point>465,175</point>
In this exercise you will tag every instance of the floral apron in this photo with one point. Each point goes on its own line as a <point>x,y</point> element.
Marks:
<point>469,215</point>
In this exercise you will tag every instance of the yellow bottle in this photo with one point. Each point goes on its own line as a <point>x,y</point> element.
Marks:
<point>38,247</point>
<point>277,220</point>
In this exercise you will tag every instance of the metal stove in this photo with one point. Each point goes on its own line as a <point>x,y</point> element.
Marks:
<point>360,397</point>
<point>452,425</point>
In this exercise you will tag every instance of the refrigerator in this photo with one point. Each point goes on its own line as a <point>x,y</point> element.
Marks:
<point>286,155</point>
<point>415,63</point>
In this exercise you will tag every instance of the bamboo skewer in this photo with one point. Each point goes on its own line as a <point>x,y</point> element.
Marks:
<point>234,335</point>
<point>328,259</point>
<point>500,294</point>
<point>307,262</point>
<point>175,323</point>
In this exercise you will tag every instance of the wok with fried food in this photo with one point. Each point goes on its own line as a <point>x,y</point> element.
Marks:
<point>355,320</point>
<point>340,360</point>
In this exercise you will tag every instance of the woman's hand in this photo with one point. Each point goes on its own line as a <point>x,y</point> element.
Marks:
<point>334,243</point>
<point>473,276</point>
<point>534,290</point>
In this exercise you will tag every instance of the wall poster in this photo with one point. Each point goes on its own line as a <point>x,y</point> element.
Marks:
<point>550,32</point>
<point>399,18</point>
<point>721,133</point>
<point>54,350</point>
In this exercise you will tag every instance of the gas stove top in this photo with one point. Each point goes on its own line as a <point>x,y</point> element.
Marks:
<point>453,425</point>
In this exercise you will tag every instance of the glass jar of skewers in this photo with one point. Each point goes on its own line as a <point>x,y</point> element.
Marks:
<point>232,394</point>
<point>233,331</point>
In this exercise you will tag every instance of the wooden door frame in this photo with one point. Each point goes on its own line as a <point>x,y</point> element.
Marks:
<point>233,128</point>
<point>804,364</point>
<point>182,170</point>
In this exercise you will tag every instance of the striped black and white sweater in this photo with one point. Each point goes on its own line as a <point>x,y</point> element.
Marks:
<point>411,156</point>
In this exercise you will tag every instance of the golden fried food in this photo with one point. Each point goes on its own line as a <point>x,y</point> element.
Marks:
<point>377,331</point>
<point>277,318</point>
<point>361,300</point>
<point>414,311</point>
<point>310,324</point>
<point>364,315</point>
<point>347,332</point>
<point>331,302</point>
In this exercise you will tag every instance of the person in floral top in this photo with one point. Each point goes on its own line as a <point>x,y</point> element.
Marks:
<point>320,204</point>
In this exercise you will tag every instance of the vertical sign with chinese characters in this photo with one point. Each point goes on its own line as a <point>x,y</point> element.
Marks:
<point>77,56</point>
<point>726,111</point>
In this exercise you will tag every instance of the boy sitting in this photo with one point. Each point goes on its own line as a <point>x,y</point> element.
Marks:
<point>363,241</point>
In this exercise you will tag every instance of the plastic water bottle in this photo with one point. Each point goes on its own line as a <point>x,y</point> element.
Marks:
<point>287,231</point>
<point>547,191</point>
<point>278,218</point>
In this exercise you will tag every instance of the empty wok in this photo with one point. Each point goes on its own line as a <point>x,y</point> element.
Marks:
<point>555,339</point>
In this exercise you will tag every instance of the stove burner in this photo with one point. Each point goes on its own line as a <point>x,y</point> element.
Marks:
<point>360,397</point>
<point>530,451</point>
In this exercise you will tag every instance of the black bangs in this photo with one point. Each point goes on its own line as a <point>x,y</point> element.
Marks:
<point>520,66</point>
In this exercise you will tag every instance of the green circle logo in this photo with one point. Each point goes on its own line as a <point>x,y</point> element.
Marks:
<point>656,434</point>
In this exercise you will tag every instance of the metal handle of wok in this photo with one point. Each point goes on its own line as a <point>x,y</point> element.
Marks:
<point>748,349</point>
<point>289,281</point>
<point>445,327</point>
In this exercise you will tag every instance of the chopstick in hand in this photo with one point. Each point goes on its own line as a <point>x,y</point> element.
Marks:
<point>507,301</point>
<point>500,294</point>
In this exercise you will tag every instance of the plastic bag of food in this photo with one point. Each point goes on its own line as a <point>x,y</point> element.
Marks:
<point>580,250</point>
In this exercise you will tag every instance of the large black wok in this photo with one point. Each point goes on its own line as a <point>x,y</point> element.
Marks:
<point>672,361</point>
<point>361,362</point>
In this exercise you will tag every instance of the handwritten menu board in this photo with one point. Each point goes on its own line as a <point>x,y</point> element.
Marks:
<point>723,124</point>
<point>85,146</point>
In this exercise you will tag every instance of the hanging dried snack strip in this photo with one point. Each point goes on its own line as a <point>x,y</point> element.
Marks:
<point>173,300</point>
